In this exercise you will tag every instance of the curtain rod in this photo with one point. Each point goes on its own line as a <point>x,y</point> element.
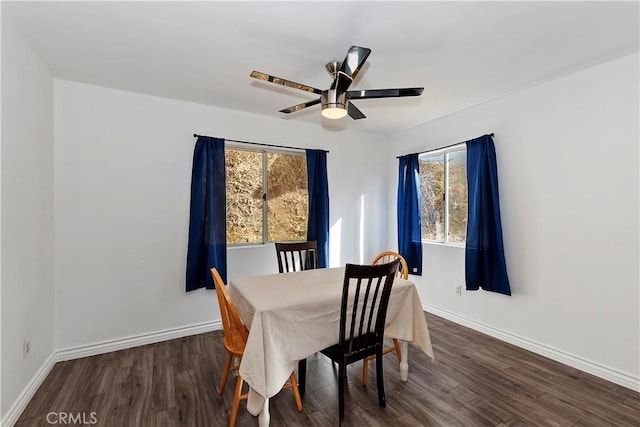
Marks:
<point>195,135</point>
<point>448,146</point>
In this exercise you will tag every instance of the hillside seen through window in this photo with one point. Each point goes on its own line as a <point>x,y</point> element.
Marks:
<point>443,191</point>
<point>266,196</point>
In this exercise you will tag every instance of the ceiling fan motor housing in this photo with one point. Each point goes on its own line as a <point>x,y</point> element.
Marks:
<point>331,98</point>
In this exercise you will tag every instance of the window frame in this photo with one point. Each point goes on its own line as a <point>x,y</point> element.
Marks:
<point>446,152</point>
<point>264,151</point>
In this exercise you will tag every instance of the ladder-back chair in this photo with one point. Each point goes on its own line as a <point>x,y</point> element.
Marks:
<point>365,298</point>
<point>297,256</point>
<point>403,271</point>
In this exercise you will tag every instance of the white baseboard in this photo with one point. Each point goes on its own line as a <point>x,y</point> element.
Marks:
<point>590,367</point>
<point>32,386</point>
<point>135,341</point>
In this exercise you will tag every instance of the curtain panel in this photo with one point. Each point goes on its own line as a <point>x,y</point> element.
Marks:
<point>207,221</point>
<point>318,190</point>
<point>409,231</point>
<point>485,265</point>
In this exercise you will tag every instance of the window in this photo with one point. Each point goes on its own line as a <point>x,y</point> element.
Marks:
<point>277,213</point>
<point>443,190</point>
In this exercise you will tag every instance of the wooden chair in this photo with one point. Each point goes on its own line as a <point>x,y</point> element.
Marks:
<point>297,256</point>
<point>366,289</point>
<point>403,271</point>
<point>235,339</point>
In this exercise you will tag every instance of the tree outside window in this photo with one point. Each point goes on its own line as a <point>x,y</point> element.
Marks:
<point>443,190</point>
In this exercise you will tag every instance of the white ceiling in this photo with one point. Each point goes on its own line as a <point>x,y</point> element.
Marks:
<point>463,53</point>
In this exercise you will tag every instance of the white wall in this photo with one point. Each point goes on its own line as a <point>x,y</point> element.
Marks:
<point>567,153</point>
<point>27,214</point>
<point>122,182</point>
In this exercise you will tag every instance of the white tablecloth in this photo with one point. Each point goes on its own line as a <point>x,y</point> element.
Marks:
<point>291,316</point>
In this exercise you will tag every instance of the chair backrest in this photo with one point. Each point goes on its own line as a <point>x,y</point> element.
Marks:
<point>388,256</point>
<point>297,256</point>
<point>231,322</point>
<point>365,297</point>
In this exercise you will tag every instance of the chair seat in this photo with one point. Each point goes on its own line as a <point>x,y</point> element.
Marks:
<point>234,342</point>
<point>336,352</point>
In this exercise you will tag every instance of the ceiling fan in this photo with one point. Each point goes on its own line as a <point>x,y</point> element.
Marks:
<point>336,101</point>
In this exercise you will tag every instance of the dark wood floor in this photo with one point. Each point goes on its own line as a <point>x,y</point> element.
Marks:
<point>475,381</point>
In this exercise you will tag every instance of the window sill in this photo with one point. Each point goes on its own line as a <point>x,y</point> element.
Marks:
<point>257,245</point>
<point>246,246</point>
<point>451,245</point>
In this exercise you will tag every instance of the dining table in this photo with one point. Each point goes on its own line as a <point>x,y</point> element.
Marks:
<point>291,316</point>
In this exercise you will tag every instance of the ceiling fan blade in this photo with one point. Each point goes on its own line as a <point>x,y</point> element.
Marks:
<point>300,106</point>
<point>354,112</point>
<point>385,93</point>
<point>355,59</point>
<point>351,65</point>
<point>280,81</point>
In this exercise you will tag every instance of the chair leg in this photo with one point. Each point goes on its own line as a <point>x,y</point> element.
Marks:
<point>225,374</point>
<point>236,402</point>
<point>381,398</point>
<point>396,344</point>
<point>341,380</point>
<point>365,371</point>
<point>302,376</point>
<point>296,392</point>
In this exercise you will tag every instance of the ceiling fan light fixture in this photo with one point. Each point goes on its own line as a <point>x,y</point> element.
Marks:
<point>333,112</point>
<point>334,104</point>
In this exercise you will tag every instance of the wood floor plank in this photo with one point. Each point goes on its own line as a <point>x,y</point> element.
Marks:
<point>49,390</point>
<point>475,380</point>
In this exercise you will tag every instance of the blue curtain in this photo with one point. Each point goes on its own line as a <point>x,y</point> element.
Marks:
<point>409,233</point>
<point>485,265</point>
<point>207,222</point>
<point>318,188</point>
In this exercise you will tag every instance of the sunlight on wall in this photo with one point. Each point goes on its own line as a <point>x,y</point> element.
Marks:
<point>334,244</point>
<point>361,229</point>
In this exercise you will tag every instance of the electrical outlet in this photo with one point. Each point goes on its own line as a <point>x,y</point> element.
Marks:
<point>26,347</point>
<point>459,290</point>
